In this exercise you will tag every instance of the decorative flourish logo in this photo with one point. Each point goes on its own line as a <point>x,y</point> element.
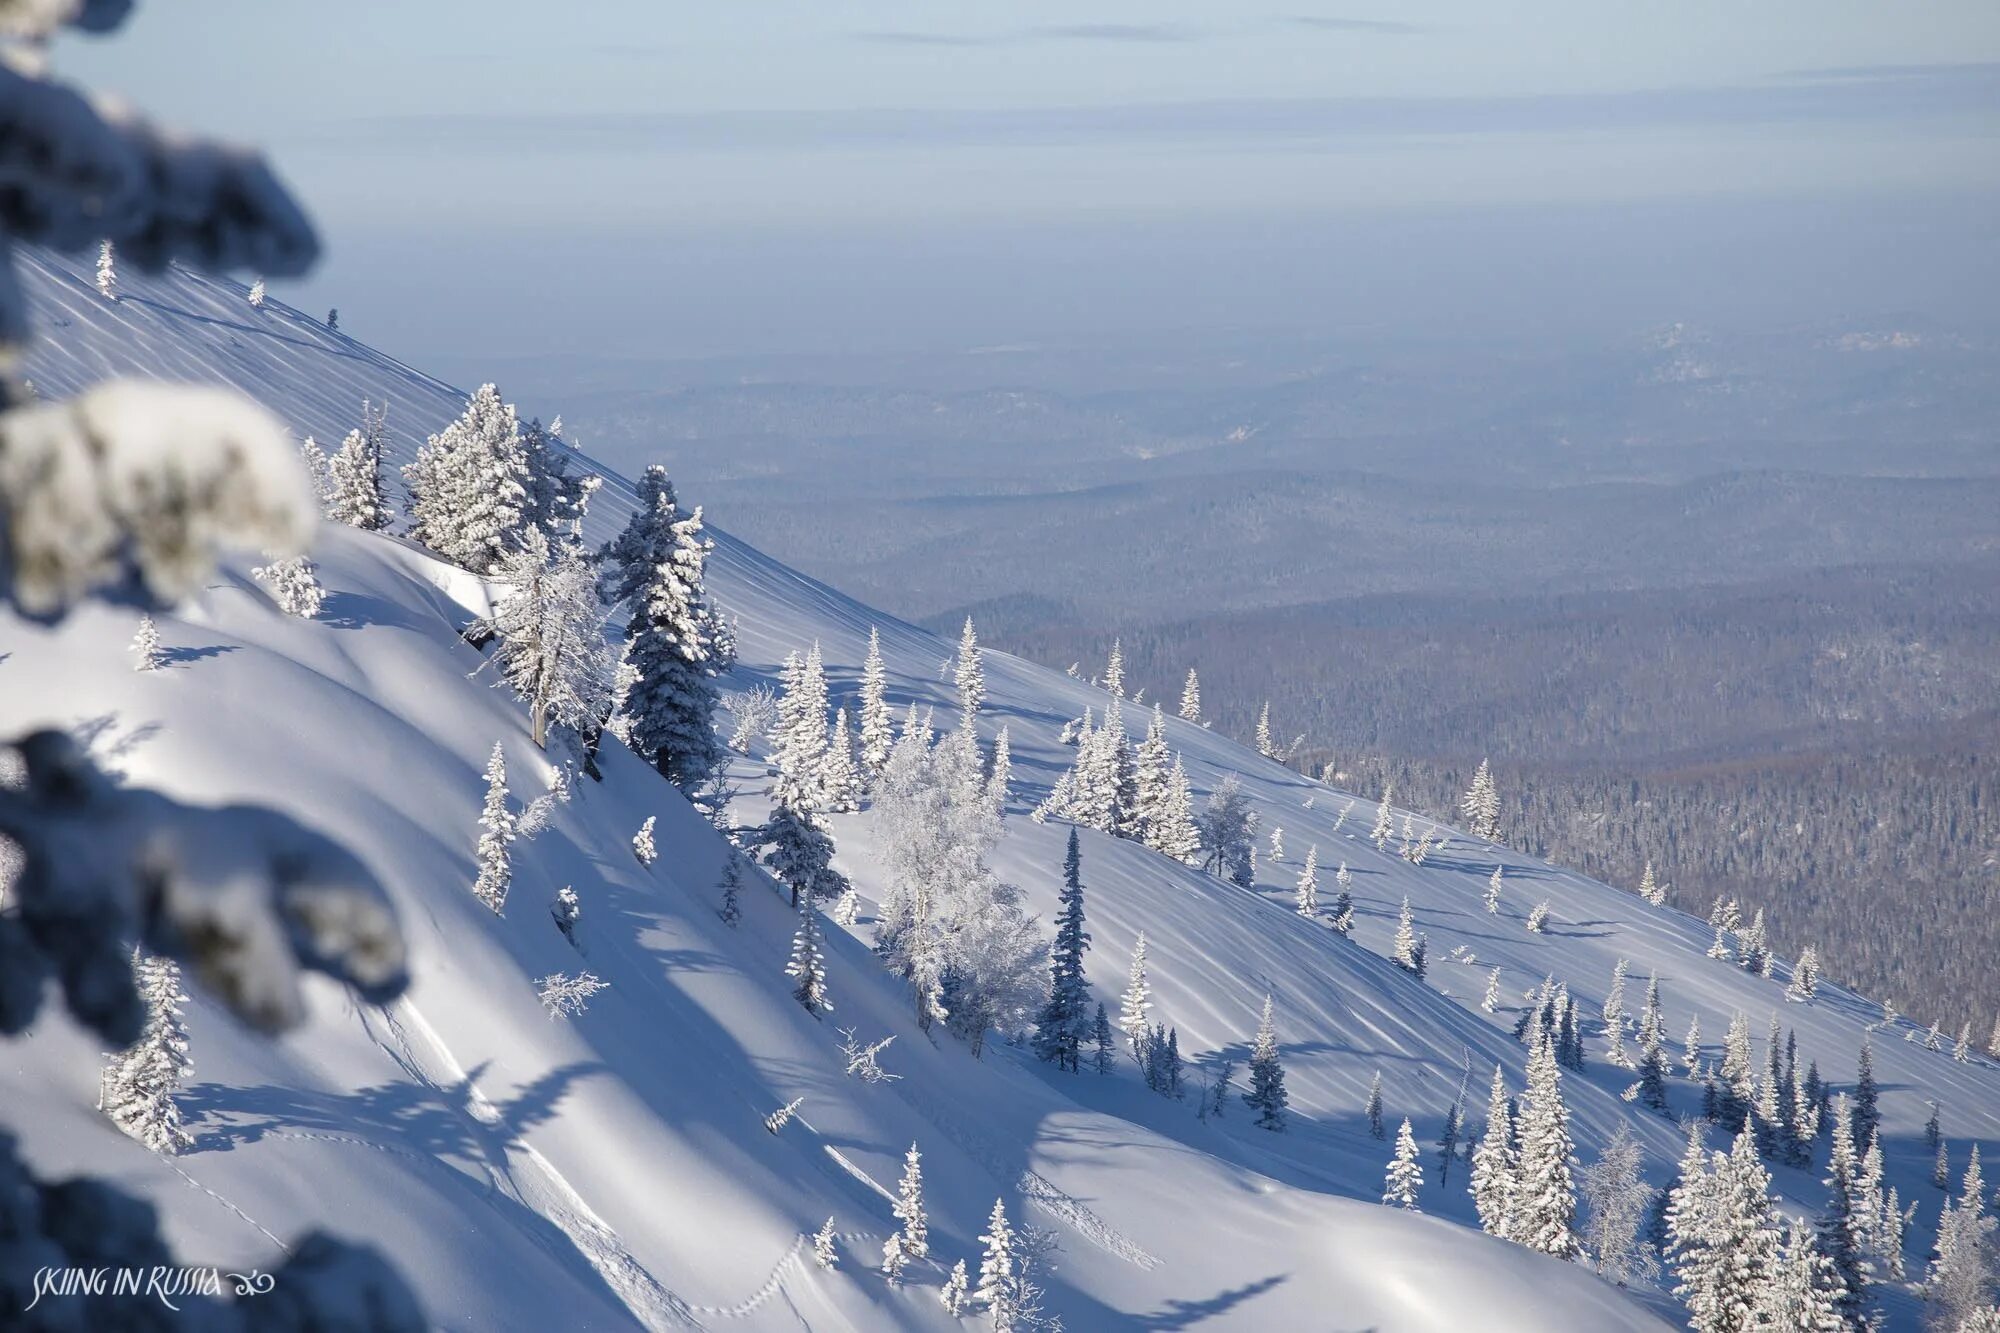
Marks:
<point>161,1282</point>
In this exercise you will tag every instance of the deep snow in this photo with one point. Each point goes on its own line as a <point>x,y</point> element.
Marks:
<point>531,1173</point>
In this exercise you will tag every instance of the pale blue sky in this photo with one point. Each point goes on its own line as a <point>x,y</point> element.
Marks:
<point>465,130</point>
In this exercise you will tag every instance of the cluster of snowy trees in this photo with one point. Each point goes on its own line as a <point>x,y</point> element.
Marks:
<point>1139,792</point>
<point>124,492</point>
<point>1006,1292</point>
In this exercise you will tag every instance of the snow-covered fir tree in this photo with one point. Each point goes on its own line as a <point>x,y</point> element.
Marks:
<point>1265,745</point>
<point>1616,1200</point>
<point>1103,1044</point>
<point>1277,845</point>
<point>823,1252</point>
<point>1614,1014</point>
<point>1753,947</point>
<point>1152,765</point>
<point>257,294</point>
<point>1372,1110</point>
<point>1114,671</point>
<point>799,852</point>
<point>1845,1227</point>
<point>293,584</point>
<point>1481,804</point>
<point>1538,917</point>
<point>1492,899</point>
<point>1341,913</point>
<point>1867,1114</point>
<point>1651,889</point>
<point>1723,1239</point>
<point>807,967</point>
<point>1175,832</point>
<point>969,675</point>
<point>1135,1007</point>
<point>566,911</point>
<point>140,1084</point>
<point>1404,948</point>
<point>999,1280</point>
<point>1305,895</point>
<point>496,832</point>
<point>468,485</point>
<point>1063,1028</point>
<point>1384,820</point>
<point>1490,1002</point>
<point>1542,1212</point>
<point>1495,1161</point>
<point>801,740</point>
<point>1267,1075</point>
<point>730,909</point>
<point>1000,773</point>
<point>107,271</point>
<point>956,1294</point>
<point>1960,1280</point>
<point>356,495</point>
<point>146,652</point>
<point>676,642</point>
<point>1405,1176</point>
<point>642,842</point>
<point>839,776</point>
<point>912,1236</point>
<point>1448,1139</point>
<point>1191,697</point>
<point>877,726</point>
<point>1805,976</point>
<point>1803,1294</point>
<point>549,635</point>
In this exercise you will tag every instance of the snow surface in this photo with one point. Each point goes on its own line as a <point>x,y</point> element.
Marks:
<point>613,1170</point>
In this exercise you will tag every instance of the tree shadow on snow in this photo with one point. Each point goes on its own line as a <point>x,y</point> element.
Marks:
<point>183,656</point>
<point>1178,1314</point>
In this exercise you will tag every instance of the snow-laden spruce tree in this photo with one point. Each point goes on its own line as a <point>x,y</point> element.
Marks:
<point>107,272</point>
<point>1114,671</point>
<point>140,1084</point>
<point>1652,1066</point>
<point>1651,889</point>
<point>1372,1110</point>
<point>1174,831</point>
<point>256,297</point>
<point>730,909</point>
<point>1617,1200</point>
<point>293,584</point>
<point>999,1280</point>
<point>911,1239</point>
<point>839,777</point>
<point>1228,831</point>
<point>566,910</point>
<point>1481,805</point>
<point>1495,1161</point>
<point>1846,1224</point>
<point>1406,1175</point>
<point>1152,763</point>
<point>1803,1293</point>
<point>1490,1002</point>
<point>1492,899</point>
<point>1448,1139</point>
<point>1404,948</point>
<point>468,485</point>
<point>549,632</point>
<point>1064,1025</point>
<point>1191,697</point>
<point>1265,745</point>
<point>357,496</point>
<point>969,675</point>
<point>799,742</point>
<point>1340,914</point>
<point>824,1253</point>
<point>1723,1239</point>
<point>1305,894</point>
<point>1135,1007</point>
<point>956,1294</point>
<point>807,967</point>
<point>1000,773</point>
<point>1267,1075</point>
<point>642,842</point>
<point>124,491</point>
<point>676,643</point>
<point>1103,1042</point>
<point>877,726</point>
<point>1385,825</point>
<point>799,852</point>
<point>1542,1213</point>
<point>1805,977</point>
<point>1538,918</point>
<point>146,652</point>
<point>496,832</point>
<point>557,498</point>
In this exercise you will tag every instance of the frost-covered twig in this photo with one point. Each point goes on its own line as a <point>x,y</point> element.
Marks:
<point>566,996</point>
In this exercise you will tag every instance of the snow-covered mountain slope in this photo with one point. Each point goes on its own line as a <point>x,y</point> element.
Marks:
<point>614,1169</point>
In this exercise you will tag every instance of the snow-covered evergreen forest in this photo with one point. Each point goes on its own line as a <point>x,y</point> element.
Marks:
<point>500,899</point>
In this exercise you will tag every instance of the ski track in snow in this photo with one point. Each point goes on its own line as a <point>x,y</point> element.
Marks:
<point>543,1189</point>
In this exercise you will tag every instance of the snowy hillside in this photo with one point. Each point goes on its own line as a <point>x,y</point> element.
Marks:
<point>614,1169</point>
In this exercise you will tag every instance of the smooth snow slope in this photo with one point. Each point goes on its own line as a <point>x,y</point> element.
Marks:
<point>536,1174</point>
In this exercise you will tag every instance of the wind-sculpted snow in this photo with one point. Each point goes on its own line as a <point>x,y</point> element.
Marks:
<point>613,1169</point>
